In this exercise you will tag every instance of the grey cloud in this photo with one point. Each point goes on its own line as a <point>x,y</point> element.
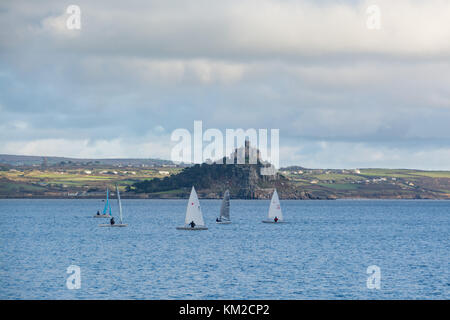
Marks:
<point>135,66</point>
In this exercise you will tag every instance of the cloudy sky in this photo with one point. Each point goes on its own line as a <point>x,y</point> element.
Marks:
<point>343,95</point>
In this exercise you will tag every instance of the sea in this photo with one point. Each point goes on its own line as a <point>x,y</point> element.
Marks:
<point>344,249</point>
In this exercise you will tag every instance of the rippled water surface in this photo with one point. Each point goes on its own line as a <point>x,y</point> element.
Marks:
<point>323,252</point>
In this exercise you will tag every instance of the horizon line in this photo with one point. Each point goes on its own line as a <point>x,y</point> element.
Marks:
<point>190,163</point>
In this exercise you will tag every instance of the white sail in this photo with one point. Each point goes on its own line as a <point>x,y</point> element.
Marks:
<point>193,211</point>
<point>275,208</point>
<point>225,207</point>
<point>120,204</point>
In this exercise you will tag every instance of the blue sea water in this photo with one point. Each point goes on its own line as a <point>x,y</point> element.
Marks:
<point>322,253</point>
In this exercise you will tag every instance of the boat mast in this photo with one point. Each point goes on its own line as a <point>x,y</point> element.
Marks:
<point>120,204</point>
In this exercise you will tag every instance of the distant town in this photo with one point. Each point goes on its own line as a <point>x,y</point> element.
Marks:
<point>54,177</point>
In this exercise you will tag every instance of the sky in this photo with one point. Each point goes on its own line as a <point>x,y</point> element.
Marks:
<point>342,93</point>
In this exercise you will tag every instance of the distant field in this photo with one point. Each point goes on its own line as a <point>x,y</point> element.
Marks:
<point>92,181</point>
<point>85,181</point>
<point>340,186</point>
<point>405,173</point>
<point>374,183</point>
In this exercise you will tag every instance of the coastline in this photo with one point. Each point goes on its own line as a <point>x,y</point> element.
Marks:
<point>128,197</point>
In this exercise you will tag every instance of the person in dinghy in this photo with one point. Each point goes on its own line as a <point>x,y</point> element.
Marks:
<point>112,221</point>
<point>275,219</point>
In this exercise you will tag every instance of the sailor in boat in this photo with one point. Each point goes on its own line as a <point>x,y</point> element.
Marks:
<point>218,220</point>
<point>98,212</point>
<point>192,224</point>
<point>112,221</point>
<point>275,219</point>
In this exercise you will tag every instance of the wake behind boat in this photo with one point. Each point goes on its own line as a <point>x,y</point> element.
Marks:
<point>225,210</point>
<point>275,215</point>
<point>112,223</point>
<point>105,209</point>
<point>194,218</point>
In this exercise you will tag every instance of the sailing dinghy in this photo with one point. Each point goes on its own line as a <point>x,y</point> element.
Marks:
<point>106,208</point>
<point>121,224</point>
<point>275,214</point>
<point>194,217</point>
<point>225,210</point>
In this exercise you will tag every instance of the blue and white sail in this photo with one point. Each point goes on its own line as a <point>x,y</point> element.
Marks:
<point>107,208</point>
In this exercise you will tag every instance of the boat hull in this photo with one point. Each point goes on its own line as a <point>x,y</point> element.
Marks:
<point>271,221</point>
<point>223,222</point>
<point>117,225</point>
<point>102,216</point>
<point>192,229</point>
